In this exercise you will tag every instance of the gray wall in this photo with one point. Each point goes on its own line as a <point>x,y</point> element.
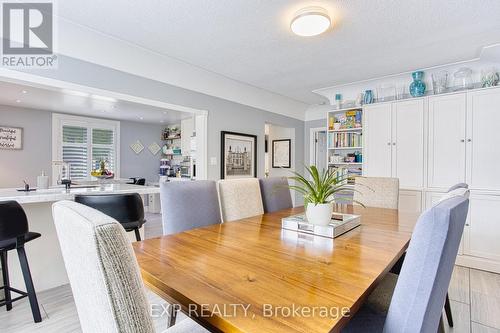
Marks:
<point>223,115</point>
<point>307,127</point>
<point>145,164</point>
<point>36,155</point>
<point>16,165</point>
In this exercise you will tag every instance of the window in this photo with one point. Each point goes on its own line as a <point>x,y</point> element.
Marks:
<point>83,143</point>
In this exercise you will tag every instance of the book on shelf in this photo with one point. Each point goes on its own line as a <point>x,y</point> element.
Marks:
<point>345,140</point>
<point>346,120</point>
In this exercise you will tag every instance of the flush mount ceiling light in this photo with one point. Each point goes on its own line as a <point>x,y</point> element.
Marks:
<point>310,21</point>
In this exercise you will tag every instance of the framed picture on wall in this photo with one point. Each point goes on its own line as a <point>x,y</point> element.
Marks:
<point>11,138</point>
<point>238,155</point>
<point>282,150</point>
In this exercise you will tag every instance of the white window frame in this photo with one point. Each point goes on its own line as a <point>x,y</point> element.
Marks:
<point>60,120</point>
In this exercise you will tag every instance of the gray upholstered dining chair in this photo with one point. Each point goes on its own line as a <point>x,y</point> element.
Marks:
<point>378,192</point>
<point>275,194</point>
<point>240,198</point>
<point>103,272</point>
<point>457,186</point>
<point>188,205</point>
<point>419,296</point>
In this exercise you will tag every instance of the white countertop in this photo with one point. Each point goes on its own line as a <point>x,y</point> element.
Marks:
<point>60,193</point>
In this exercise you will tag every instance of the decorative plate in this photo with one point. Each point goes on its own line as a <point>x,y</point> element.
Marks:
<point>154,148</point>
<point>137,147</point>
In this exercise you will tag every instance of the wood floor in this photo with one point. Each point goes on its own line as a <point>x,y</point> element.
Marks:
<point>474,294</point>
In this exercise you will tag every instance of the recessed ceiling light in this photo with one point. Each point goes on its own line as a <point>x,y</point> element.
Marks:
<point>18,101</point>
<point>75,93</point>
<point>141,118</point>
<point>310,21</point>
<point>24,91</point>
<point>104,98</point>
<point>162,121</point>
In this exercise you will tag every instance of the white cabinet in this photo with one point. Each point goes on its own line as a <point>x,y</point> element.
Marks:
<point>446,158</point>
<point>377,141</point>
<point>482,238</point>
<point>408,143</point>
<point>410,201</point>
<point>187,128</point>
<point>394,142</point>
<point>483,140</point>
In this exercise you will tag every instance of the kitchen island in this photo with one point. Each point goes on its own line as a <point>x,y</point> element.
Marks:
<point>44,254</point>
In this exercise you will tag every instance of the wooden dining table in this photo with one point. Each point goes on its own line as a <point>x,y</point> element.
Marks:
<point>251,275</point>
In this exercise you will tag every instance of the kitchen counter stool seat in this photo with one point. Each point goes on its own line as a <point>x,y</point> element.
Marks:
<point>13,235</point>
<point>127,209</point>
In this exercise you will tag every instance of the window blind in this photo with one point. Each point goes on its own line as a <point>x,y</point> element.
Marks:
<point>75,151</point>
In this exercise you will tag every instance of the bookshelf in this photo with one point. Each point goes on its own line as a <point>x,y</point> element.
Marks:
<point>345,141</point>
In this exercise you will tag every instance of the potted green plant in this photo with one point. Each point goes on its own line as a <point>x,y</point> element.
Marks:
<point>319,192</point>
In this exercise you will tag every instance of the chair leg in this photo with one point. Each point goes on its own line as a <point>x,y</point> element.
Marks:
<point>29,285</point>
<point>137,235</point>
<point>172,315</point>
<point>447,309</point>
<point>6,282</point>
<point>441,325</point>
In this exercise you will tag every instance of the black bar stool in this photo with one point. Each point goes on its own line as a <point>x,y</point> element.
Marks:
<point>13,235</point>
<point>127,209</point>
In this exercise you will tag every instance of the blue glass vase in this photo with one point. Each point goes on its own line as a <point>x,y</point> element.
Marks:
<point>368,97</point>
<point>417,87</point>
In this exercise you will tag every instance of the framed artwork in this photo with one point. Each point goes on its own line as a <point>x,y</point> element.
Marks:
<point>238,155</point>
<point>11,138</point>
<point>282,150</point>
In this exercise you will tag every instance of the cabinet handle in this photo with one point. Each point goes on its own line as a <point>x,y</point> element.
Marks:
<point>388,143</point>
<point>394,143</point>
<point>463,140</point>
<point>469,140</point>
<point>467,224</point>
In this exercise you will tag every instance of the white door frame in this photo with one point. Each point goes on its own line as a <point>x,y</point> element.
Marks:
<point>313,131</point>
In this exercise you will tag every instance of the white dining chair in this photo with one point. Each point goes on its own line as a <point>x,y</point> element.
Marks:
<point>104,274</point>
<point>240,198</point>
<point>381,192</point>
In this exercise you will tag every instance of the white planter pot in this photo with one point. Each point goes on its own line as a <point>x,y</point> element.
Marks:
<point>320,214</point>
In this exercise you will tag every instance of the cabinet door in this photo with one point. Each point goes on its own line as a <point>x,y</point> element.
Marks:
<point>408,143</point>
<point>377,140</point>
<point>484,227</point>
<point>483,139</point>
<point>410,201</point>
<point>446,157</point>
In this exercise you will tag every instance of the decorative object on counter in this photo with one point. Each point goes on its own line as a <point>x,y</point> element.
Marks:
<point>359,99</point>
<point>402,91</point>
<point>238,155</point>
<point>339,224</point>
<point>463,79</point>
<point>489,78</point>
<point>42,181</point>
<point>319,192</point>
<point>26,187</point>
<point>11,138</point>
<point>338,101</point>
<point>102,172</point>
<point>282,150</point>
<point>137,147</point>
<point>154,148</point>
<point>368,97</point>
<point>439,82</point>
<point>417,87</point>
<point>386,92</point>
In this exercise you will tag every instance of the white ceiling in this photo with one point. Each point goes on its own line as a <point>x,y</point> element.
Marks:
<point>250,41</point>
<point>70,101</point>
